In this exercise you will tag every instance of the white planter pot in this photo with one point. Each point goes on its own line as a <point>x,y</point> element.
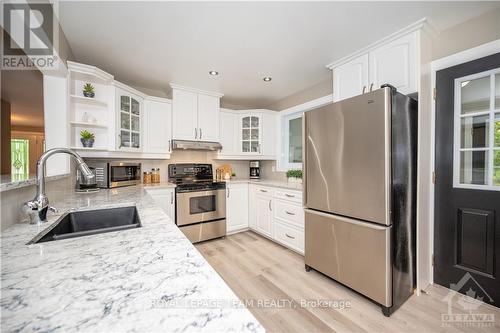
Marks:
<point>295,180</point>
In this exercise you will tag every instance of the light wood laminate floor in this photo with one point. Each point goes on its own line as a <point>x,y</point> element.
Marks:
<point>258,269</point>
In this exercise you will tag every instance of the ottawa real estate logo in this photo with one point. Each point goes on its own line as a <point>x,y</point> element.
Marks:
<point>30,36</point>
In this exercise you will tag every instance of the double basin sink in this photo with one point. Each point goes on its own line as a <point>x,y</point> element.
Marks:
<point>90,222</point>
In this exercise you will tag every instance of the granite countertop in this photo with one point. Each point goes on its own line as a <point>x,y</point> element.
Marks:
<point>7,182</point>
<point>268,182</point>
<point>146,279</point>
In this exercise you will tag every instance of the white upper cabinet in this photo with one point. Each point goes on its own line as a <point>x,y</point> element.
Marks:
<point>229,132</point>
<point>395,63</point>
<point>249,134</point>
<point>129,120</point>
<point>157,126</point>
<point>208,118</point>
<point>195,114</point>
<point>184,115</point>
<point>351,78</point>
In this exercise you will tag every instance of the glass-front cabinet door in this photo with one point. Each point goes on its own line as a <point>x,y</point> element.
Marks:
<point>129,122</point>
<point>251,134</point>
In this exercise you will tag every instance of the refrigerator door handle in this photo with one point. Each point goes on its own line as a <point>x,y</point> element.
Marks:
<point>304,159</point>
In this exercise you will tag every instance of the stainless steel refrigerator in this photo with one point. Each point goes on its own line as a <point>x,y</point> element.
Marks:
<point>360,162</point>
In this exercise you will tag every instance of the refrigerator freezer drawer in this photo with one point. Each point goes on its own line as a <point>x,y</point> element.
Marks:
<point>352,252</point>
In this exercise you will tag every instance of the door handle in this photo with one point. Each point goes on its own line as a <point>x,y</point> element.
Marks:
<point>364,89</point>
<point>270,208</point>
<point>171,198</point>
<point>290,195</point>
<point>265,191</point>
<point>371,87</point>
<point>287,235</point>
<point>169,145</point>
<point>201,133</point>
<point>228,192</point>
<point>289,213</point>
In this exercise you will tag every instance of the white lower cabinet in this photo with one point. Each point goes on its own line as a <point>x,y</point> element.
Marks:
<point>278,215</point>
<point>236,207</point>
<point>165,199</point>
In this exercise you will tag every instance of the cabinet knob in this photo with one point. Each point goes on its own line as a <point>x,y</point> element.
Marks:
<point>270,208</point>
<point>290,195</point>
<point>289,213</point>
<point>371,87</point>
<point>287,235</point>
<point>228,192</point>
<point>201,133</point>
<point>364,89</point>
<point>195,133</point>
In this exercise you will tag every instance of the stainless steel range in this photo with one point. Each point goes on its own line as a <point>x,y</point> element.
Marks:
<point>200,207</point>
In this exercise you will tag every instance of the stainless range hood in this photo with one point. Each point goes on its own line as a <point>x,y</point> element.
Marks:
<point>195,145</point>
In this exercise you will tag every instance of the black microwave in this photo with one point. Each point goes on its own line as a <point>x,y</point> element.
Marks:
<point>115,174</point>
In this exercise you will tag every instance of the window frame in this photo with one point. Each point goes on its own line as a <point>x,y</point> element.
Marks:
<point>490,148</point>
<point>285,140</point>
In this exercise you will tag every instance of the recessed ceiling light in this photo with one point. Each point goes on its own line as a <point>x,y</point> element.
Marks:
<point>214,73</point>
<point>267,78</point>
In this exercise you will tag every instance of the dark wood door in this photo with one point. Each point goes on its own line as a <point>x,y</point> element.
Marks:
<point>467,189</point>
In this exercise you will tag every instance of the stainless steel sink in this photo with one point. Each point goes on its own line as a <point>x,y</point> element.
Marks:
<point>90,222</point>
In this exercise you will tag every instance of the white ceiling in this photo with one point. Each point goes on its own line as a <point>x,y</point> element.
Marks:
<point>151,44</point>
<point>24,91</point>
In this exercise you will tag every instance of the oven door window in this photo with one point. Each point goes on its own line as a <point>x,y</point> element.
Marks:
<point>202,204</point>
<point>123,173</point>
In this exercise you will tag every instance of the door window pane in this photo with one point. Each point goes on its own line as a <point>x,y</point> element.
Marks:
<point>19,159</point>
<point>124,120</point>
<point>246,134</point>
<point>245,122</point>
<point>473,167</point>
<point>125,103</point>
<point>475,95</point>
<point>125,139</point>
<point>496,167</point>
<point>474,132</point>
<point>295,140</point>
<point>135,123</point>
<point>135,140</point>
<point>245,146</point>
<point>254,147</point>
<point>135,107</point>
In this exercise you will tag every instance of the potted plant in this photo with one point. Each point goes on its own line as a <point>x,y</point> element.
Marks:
<point>87,138</point>
<point>294,176</point>
<point>88,90</point>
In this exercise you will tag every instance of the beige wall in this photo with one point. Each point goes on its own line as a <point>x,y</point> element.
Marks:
<point>477,31</point>
<point>318,90</point>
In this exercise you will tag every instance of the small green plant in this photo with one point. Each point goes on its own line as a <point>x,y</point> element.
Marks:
<point>233,175</point>
<point>294,174</point>
<point>86,135</point>
<point>88,88</point>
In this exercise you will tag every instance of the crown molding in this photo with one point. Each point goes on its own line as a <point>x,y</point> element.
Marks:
<point>198,91</point>
<point>98,73</point>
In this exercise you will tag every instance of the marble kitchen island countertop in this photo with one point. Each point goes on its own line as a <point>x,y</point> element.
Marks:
<point>146,279</point>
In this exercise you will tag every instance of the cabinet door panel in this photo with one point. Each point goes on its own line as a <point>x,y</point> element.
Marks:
<point>350,78</point>
<point>184,114</point>
<point>237,207</point>
<point>129,121</point>
<point>229,133</point>
<point>395,64</point>
<point>208,118</point>
<point>157,127</point>
<point>264,215</point>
